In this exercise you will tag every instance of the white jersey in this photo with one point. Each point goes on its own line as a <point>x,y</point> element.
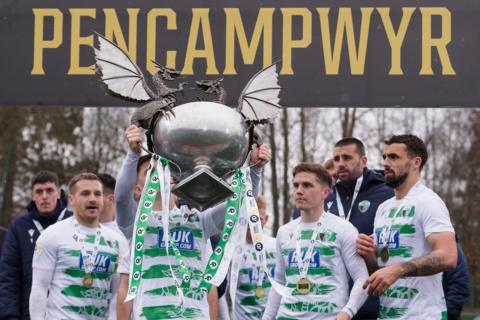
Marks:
<point>58,251</point>
<point>157,296</point>
<point>112,314</point>
<point>112,225</point>
<point>334,258</point>
<point>247,305</point>
<point>404,225</point>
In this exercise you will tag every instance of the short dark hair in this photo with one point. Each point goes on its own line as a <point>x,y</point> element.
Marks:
<point>359,146</point>
<point>45,176</point>
<point>108,182</point>
<point>317,169</point>
<point>142,160</point>
<point>415,146</point>
<point>80,177</point>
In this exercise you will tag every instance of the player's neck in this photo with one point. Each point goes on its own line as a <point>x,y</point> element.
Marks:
<point>403,189</point>
<point>87,222</point>
<point>157,206</point>
<point>312,215</point>
<point>107,216</point>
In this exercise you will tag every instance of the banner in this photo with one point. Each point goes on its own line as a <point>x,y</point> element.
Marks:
<point>331,53</point>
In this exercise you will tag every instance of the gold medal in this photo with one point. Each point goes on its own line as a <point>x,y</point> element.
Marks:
<point>384,254</point>
<point>87,280</point>
<point>303,286</point>
<point>259,292</point>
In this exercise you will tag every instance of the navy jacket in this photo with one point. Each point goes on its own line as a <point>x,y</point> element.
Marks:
<point>16,260</point>
<point>373,192</point>
<point>455,286</point>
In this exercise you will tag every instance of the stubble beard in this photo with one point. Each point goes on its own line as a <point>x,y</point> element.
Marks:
<point>394,181</point>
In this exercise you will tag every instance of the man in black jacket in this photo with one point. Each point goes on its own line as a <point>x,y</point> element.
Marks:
<point>48,206</point>
<point>356,196</point>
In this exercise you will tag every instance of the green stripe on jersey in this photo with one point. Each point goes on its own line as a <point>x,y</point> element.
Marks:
<point>77,273</point>
<point>324,251</point>
<point>391,313</point>
<point>163,271</point>
<point>317,307</point>
<point>90,310</point>
<point>402,228</point>
<point>406,211</point>
<point>197,233</point>
<point>323,271</point>
<point>107,243</point>
<point>249,287</point>
<point>253,301</point>
<point>255,314</point>
<point>76,253</point>
<point>285,318</point>
<point>170,311</point>
<point>316,288</point>
<point>191,293</point>
<point>401,293</point>
<point>86,293</point>
<point>155,251</point>
<point>324,236</point>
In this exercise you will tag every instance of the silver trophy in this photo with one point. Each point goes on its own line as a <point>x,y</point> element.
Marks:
<point>208,141</point>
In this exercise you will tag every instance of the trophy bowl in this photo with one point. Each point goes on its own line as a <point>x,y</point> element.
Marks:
<point>208,141</point>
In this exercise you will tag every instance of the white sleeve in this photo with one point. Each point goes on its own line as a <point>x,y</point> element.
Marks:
<point>125,205</point>
<point>435,217</point>
<point>124,263</point>
<point>357,269</point>
<point>41,280</point>
<point>274,298</point>
<point>112,310</point>
<point>45,255</point>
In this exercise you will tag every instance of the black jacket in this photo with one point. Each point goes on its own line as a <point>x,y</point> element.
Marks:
<point>16,259</point>
<point>455,286</point>
<point>373,192</point>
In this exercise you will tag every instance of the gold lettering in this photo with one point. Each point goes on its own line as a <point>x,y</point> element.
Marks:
<point>396,39</point>
<point>289,43</point>
<point>77,41</point>
<point>344,25</point>
<point>39,43</point>
<point>171,17</point>
<point>441,43</point>
<point>200,20</point>
<point>234,26</point>
<point>113,30</point>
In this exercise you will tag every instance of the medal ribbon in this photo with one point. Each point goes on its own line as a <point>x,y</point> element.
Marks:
<point>216,264</point>
<point>88,260</point>
<point>304,264</point>
<point>341,211</point>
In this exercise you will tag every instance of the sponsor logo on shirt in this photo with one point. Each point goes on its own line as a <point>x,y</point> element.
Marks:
<point>392,238</point>
<point>314,259</point>
<point>184,239</point>
<point>101,265</point>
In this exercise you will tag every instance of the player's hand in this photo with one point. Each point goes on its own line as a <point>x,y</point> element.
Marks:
<point>342,315</point>
<point>365,245</point>
<point>382,279</point>
<point>260,156</point>
<point>134,138</point>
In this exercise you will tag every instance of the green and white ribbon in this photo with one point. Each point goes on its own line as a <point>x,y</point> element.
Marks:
<point>158,177</point>
<point>218,260</point>
<point>144,211</point>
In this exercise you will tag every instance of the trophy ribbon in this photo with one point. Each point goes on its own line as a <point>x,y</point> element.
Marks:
<point>155,180</point>
<point>216,262</point>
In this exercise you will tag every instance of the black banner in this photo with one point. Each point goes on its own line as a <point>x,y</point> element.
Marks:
<point>332,53</point>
